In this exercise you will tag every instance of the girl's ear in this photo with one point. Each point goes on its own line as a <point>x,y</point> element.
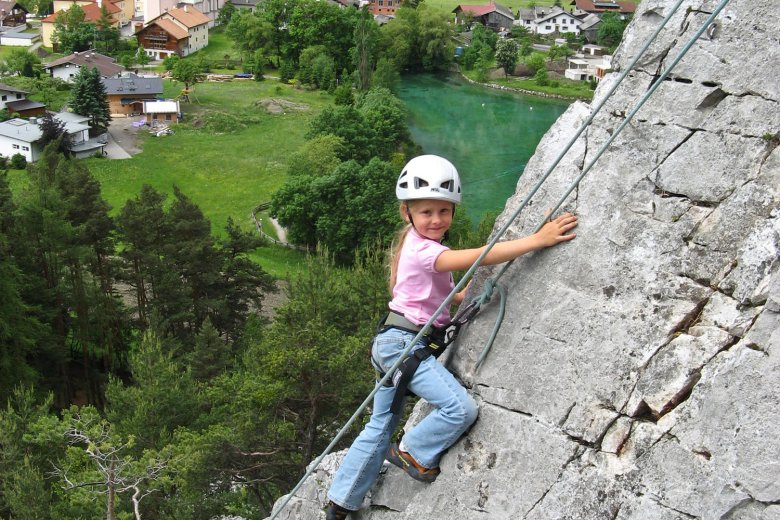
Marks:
<point>403,209</point>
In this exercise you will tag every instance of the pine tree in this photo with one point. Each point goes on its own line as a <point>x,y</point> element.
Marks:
<point>88,98</point>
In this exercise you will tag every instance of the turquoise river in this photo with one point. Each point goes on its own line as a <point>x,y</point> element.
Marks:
<point>488,134</point>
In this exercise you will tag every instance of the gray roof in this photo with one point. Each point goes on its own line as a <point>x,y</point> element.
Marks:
<point>25,131</point>
<point>9,88</point>
<point>132,84</point>
<point>22,104</point>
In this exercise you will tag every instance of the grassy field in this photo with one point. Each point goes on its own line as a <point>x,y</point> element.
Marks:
<point>226,173</point>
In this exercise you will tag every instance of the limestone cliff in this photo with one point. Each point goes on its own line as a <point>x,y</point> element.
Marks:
<point>637,371</point>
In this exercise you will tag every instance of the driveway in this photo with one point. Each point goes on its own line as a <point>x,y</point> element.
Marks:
<point>122,138</point>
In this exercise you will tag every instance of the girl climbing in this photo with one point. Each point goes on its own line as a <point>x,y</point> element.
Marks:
<point>421,279</point>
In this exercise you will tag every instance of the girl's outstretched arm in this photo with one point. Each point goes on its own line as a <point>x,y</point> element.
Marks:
<point>553,233</point>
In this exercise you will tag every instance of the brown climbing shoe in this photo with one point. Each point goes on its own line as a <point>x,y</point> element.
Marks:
<point>405,461</point>
<point>336,512</point>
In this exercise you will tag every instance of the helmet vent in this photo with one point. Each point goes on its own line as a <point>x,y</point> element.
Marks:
<point>420,183</point>
<point>447,185</point>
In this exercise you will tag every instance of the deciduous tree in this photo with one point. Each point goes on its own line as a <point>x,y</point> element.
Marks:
<point>507,55</point>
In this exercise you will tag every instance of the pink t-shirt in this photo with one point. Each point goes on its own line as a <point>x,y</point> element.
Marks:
<point>419,288</point>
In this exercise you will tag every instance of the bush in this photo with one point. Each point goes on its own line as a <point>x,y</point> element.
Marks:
<point>18,161</point>
<point>344,95</point>
<point>541,77</point>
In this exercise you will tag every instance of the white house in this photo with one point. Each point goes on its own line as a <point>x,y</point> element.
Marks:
<point>21,136</point>
<point>67,67</point>
<point>587,64</point>
<point>19,38</point>
<point>161,112</point>
<point>548,20</point>
<point>9,93</point>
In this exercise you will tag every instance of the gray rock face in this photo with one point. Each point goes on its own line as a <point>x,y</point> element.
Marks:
<point>637,371</point>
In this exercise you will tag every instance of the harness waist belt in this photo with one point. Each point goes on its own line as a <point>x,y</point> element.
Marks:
<point>395,319</point>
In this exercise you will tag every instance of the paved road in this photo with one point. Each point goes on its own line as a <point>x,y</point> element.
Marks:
<point>113,150</point>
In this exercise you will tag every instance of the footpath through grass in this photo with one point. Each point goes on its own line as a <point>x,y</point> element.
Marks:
<point>227,167</point>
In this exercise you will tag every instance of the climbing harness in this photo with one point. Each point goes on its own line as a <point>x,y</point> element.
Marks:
<point>477,302</point>
<point>435,342</point>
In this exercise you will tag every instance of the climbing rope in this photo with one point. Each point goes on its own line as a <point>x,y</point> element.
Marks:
<point>485,297</point>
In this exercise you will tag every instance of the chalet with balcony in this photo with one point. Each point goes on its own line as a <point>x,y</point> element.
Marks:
<point>179,31</point>
<point>12,14</point>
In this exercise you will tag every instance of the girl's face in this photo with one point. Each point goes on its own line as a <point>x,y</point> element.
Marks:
<point>431,218</point>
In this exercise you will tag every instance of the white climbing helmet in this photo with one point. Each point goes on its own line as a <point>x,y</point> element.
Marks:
<point>429,177</point>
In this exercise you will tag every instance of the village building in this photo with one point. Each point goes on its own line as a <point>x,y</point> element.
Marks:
<point>161,112</point>
<point>13,14</point>
<point>67,67</point>
<point>19,38</point>
<point>548,20</point>
<point>22,136</point>
<point>583,7</point>
<point>250,5</point>
<point>126,94</point>
<point>590,63</point>
<point>176,31</point>
<point>15,101</point>
<point>153,9</point>
<point>493,16</point>
<point>92,13</point>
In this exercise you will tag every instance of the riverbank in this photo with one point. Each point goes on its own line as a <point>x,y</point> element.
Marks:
<point>585,96</point>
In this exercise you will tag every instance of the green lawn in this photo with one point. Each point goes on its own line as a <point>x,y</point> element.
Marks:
<point>226,174</point>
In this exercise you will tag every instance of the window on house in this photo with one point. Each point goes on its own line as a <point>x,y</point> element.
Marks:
<point>26,148</point>
<point>167,117</point>
<point>381,3</point>
<point>5,97</point>
<point>18,96</point>
<point>15,146</point>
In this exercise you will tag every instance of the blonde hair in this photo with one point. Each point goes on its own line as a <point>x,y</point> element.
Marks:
<point>397,244</point>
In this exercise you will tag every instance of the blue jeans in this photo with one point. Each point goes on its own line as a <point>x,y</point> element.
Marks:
<point>455,410</point>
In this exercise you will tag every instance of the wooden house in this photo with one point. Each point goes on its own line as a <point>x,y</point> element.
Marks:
<point>12,14</point>
<point>493,16</point>
<point>176,31</point>
<point>126,95</point>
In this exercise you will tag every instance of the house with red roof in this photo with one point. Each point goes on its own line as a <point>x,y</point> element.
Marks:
<point>383,7</point>
<point>493,16</point>
<point>179,31</point>
<point>92,13</point>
